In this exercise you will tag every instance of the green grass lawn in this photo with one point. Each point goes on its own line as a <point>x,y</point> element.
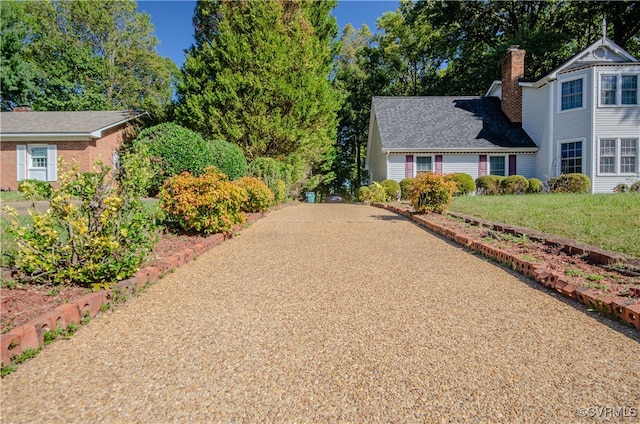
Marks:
<point>608,221</point>
<point>10,196</point>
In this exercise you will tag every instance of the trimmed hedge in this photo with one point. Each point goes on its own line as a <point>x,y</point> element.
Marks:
<point>489,185</point>
<point>465,183</point>
<point>514,184</point>
<point>392,188</point>
<point>229,159</point>
<point>535,186</point>
<point>570,183</point>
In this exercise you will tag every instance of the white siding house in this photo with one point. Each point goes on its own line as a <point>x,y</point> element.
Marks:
<point>583,116</point>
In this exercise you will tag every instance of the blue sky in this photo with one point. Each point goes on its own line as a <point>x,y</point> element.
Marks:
<point>172,20</point>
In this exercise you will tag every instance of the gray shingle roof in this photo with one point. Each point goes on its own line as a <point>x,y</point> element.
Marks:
<point>80,123</point>
<point>446,123</point>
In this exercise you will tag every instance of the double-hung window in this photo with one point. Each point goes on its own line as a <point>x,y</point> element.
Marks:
<point>571,157</point>
<point>497,165</point>
<point>571,94</point>
<point>424,164</point>
<point>608,89</point>
<point>628,155</point>
<point>618,89</point>
<point>629,90</point>
<point>608,155</point>
<point>618,156</point>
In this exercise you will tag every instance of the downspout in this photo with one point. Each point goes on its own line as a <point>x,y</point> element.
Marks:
<point>594,146</point>
<point>552,94</point>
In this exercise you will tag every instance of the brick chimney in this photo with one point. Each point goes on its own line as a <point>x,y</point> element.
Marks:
<point>512,69</point>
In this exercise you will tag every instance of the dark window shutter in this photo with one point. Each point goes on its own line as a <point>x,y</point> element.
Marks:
<point>438,164</point>
<point>512,165</point>
<point>408,166</point>
<point>482,165</point>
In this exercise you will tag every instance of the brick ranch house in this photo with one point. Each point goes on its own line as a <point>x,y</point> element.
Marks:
<point>31,142</point>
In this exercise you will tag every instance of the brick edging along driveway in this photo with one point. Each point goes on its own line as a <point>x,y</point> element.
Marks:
<point>31,334</point>
<point>618,307</point>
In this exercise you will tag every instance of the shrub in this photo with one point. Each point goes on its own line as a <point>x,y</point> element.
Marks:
<point>570,183</point>
<point>535,185</point>
<point>208,203</point>
<point>229,159</point>
<point>514,184</point>
<point>403,188</point>
<point>172,150</point>
<point>635,187</point>
<point>377,193</point>
<point>35,189</point>
<point>488,185</point>
<point>621,188</point>
<point>103,235</point>
<point>430,192</point>
<point>392,189</point>
<point>465,183</point>
<point>276,175</point>
<point>259,197</point>
<point>363,194</point>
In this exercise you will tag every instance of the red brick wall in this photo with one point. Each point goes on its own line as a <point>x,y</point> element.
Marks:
<point>85,152</point>
<point>512,70</point>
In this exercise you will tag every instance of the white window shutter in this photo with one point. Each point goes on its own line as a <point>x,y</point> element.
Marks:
<point>52,162</point>
<point>21,160</point>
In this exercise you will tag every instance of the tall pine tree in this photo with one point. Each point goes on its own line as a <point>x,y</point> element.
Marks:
<point>258,76</point>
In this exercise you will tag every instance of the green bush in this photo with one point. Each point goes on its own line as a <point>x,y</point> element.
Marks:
<point>259,197</point>
<point>392,188</point>
<point>465,183</point>
<point>277,176</point>
<point>377,193</point>
<point>514,184</point>
<point>403,188</point>
<point>488,185</point>
<point>229,159</point>
<point>570,183</point>
<point>35,189</point>
<point>535,186</point>
<point>208,203</point>
<point>363,194</point>
<point>172,150</point>
<point>430,192</point>
<point>635,187</point>
<point>96,230</point>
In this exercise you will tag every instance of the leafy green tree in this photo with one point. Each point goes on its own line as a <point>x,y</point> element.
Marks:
<point>16,73</point>
<point>258,77</point>
<point>91,55</point>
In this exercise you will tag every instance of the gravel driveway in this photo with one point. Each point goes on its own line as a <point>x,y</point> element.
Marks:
<point>335,313</point>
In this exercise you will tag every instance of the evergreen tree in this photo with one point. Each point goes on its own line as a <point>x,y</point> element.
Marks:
<point>258,76</point>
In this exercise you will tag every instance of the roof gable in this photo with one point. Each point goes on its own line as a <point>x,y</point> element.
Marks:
<point>446,124</point>
<point>603,51</point>
<point>78,124</point>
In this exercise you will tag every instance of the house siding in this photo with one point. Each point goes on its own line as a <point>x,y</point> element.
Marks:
<point>465,164</point>
<point>535,121</point>
<point>377,159</point>
<point>526,166</point>
<point>613,122</point>
<point>395,167</point>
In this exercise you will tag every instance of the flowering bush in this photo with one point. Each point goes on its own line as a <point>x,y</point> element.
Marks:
<point>259,197</point>
<point>208,203</point>
<point>96,229</point>
<point>430,192</point>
